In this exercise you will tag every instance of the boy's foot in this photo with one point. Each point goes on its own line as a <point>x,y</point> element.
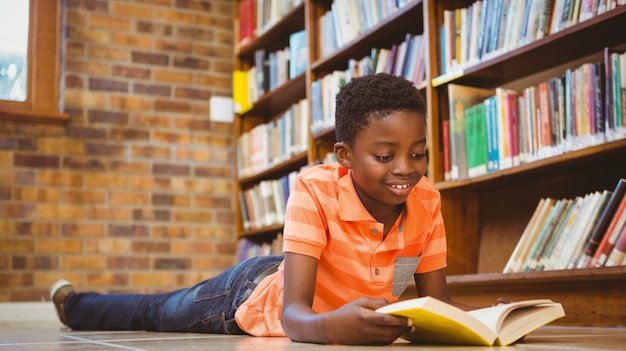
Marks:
<point>58,293</point>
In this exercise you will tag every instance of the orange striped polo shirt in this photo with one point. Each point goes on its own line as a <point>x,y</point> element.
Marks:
<point>325,219</point>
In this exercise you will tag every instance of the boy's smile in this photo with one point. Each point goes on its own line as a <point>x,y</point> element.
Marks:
<point>387,160</point>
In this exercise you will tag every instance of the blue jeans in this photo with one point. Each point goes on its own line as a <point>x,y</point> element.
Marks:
<point>207,307</point>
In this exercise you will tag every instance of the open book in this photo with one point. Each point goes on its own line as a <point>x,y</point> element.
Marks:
<point>502,324</point>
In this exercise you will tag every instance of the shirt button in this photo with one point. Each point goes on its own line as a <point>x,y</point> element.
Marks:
<point>376,271</point>
<point>374,231</point>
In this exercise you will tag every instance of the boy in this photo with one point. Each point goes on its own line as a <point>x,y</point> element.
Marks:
<point>356,234</point>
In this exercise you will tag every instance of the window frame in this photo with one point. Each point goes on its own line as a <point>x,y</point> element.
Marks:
<point>43,101</point>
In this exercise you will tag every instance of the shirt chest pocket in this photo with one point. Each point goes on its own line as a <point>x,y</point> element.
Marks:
<point>403,271</point>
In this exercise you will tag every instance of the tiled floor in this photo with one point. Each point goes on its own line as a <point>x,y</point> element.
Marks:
<point>19,332</point>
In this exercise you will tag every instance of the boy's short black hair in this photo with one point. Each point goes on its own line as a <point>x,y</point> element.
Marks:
<point>373,96</point>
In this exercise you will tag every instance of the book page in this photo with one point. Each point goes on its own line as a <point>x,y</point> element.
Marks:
<point>439,322</point>
<point>524,320</point>
<point>494,316</point>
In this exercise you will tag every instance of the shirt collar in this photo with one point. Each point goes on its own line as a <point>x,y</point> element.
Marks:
<point>351,208</point>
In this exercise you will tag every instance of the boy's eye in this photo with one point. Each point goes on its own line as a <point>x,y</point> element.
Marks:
<point>384,158</point>
<point>418,156</point>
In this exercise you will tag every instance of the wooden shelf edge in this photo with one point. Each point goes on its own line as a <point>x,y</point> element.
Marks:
<point>279,99</point>
<point>535,166</point>
<point>469,74</point>
<point>573,275</point>
<point>261,231</point>
<point>294,162</point>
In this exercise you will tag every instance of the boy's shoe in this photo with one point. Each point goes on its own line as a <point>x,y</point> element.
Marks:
<point>58,293</point>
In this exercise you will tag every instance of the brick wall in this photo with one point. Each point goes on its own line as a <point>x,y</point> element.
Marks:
<point>136,192</point>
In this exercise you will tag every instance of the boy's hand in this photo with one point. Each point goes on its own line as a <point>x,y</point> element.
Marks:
<point>358,323</point>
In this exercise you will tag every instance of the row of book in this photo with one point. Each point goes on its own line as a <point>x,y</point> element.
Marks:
<point>263,204</point>
<point>494,129</point>
<point>405,59</point>
<point>347,19</point>
<point>247,248</point>
<point>489,28</point>
<point>269,71</point>
<point>257,16</point>
<point>585,232</point>
<point>269,144</point>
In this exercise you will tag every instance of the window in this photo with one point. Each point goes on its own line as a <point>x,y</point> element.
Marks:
<point>14,21</point>
<point>36,94</point>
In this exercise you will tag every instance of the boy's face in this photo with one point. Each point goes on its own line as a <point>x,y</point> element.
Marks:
<point>388,159</point>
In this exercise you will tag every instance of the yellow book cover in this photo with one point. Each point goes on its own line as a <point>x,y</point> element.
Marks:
<point>500,325</point>
<point>240,92</point>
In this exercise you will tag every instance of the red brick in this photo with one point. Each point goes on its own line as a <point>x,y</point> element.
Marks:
<point>35,262</point>
<point>192,93</point>
<point>173,76</point>
<point>99,20</point>
<point>93,5</point>
<point>135,41</point>
<point>192,247</point>
<point>129,167</point>
<point>205,35</point>
<point>129,135</point>
<point>128,198</point>
<point>60,178</point>
<point>150,58</point>
<point>170,200</point>
<point>106,279</point>
<point>184,47</point>
<point>133,231</point>
<point>214,171</point>
<point>105,149</point>
<point>107,52</point>
<point>65,246</point>
<point>151,247</point>
<point>81,262</point>
<point>83,197</point>
<point>152,89</point>
<point>151,152</point>
<point>84,163</point>
<point>58,211</point>
<point>74,82</point>
<point>80,229</point>
<point>131,72</point>
<point>13,246</point>
<point>151,215</point>
<point>128,263</point>
<point>171,232</point>
<point>17,210</point>
<point>33,194</point>
<point>172,263</point>
<point>108,85</point>
<point>39,161</point>
<point>85,132</point>
<point>39,228</point>
<point>172,106</point>
<point>16,279</point>
<point>191,63</point>
<point>108,214</point>
<point>171,169</point>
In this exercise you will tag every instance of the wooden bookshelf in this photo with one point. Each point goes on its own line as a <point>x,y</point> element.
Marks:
<point>485,215</point>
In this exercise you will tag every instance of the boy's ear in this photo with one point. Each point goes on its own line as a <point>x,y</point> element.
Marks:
<point>343,154</point>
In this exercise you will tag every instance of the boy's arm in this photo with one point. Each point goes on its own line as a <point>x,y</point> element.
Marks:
<point>353,323</point>
<point>434,284</point>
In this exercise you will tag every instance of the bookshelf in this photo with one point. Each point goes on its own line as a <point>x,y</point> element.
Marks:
<point>484,215</point>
